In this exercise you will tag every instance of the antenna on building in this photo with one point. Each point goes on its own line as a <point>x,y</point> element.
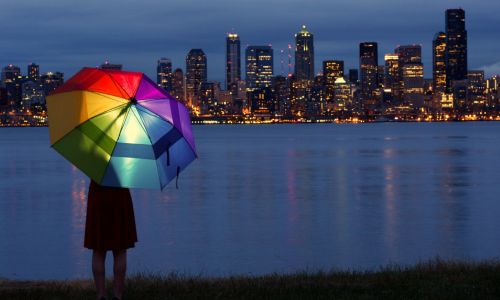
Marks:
<point>289,60</point>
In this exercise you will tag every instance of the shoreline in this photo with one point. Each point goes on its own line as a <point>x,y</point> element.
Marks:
<point>218,122</point>
<point>433,279</point>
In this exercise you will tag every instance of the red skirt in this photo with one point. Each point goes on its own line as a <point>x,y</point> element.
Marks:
<point>110,223</point>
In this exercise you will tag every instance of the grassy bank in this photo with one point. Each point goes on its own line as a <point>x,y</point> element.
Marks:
<point>431,280</point>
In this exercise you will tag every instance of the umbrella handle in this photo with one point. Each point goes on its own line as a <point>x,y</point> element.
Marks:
<point>168,154</point>
<point>177,177</point>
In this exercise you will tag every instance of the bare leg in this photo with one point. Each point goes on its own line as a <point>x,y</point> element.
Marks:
<point>119,270</point>
<point>98,258</point>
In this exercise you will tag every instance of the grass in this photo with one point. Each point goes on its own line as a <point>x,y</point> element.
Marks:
<point>435,279</point>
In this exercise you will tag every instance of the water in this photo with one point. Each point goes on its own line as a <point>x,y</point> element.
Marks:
<point>269,198</point>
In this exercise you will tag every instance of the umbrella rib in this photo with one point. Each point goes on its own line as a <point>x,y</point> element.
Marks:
<point>173,124</point>
<point>104,112</point>
<point>152,146</point>
<point>118,86</point>
<point>114,147</point>
<point>106,96</point>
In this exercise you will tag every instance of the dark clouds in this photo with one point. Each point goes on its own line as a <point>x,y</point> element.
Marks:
<point>66,35</point>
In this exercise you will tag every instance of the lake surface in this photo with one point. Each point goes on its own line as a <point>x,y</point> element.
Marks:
<point>269,198</point>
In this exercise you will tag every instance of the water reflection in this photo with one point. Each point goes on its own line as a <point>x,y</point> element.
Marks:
<point>269,199</point>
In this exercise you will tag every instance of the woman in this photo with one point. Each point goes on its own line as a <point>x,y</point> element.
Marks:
<point>110,225</point>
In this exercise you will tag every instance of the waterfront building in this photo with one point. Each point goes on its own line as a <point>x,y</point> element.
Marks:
<point>233,61</point>
<point>34,72</point>
<point>439,63</point>
<point>304,54</point>
<point>109,66</point>
<point>368,66</point>
<point>493,90</point>
<point>332,69</point>
<point>32,94</point>
<point>315,99</point>
<point>178,86</point>
<point>343,100</point>
<point>50,81</point>
<point>459,91</point>
<point>164,75</point>
<point>299,93</point>
<point>208,100</point>
<point>281,94</point>
<point>11,80</point>
<point>476,90</point>
<point>196,74</point>
<point>391,76</point>
<point>456,46</point>
<point>259,67</point>
<point>407,54</point>
<point>413,83</point>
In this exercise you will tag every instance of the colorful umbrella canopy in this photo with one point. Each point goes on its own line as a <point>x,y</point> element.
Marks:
<point>120,128</point>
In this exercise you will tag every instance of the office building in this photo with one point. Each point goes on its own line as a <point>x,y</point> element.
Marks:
<point>259,67</point>
<point>164,75</point>
<point>456,46</point>
<point>304,55</point>
<point>233,61</point>
<point>368,66</point>
<point>196,74</point>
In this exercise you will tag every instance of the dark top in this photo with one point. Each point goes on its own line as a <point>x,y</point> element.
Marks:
<point>110,223</point>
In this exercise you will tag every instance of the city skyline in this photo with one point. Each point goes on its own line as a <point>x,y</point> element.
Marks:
<point>337,40</point>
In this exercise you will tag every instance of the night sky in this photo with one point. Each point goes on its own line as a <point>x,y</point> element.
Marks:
<point>64,35</point>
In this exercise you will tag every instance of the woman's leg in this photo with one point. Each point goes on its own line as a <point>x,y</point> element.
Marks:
<point>98,259</point>
<point>119,270</point>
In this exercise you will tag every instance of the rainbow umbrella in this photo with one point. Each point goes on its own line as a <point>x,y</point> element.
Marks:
<point>120,129</point>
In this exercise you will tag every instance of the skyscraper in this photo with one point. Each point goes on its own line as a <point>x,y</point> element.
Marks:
<point>164,76</point>
<point>368,65</point>
<point>233,61</point>
<point>332,69</point>
<point>34,72</point>
<point>259,67</point>
<point>11,80</point>
<point>476,89</point>
<point>410,88</point>
<point>439,63</point>
<point>456,47</point>
<point>304,55</point>
<point>196,74</point>
<point>178,85</point>
<point>391,71</point>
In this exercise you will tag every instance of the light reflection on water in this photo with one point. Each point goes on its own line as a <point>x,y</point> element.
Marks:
<point>266,199</point>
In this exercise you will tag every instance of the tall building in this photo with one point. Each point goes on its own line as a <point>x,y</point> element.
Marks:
<point>164,75</point>
<point>109,66</point>
<point>476,89</point>
<point>281,95</point>
<point>304,55</point>
<point>439,63</point>
<point>34,72</point>
<point>391,71</point>
<point>259,67</point>
<point>353,76</point>
<point>51,81</point>
<point>407,54</point>
<point>178,87</point>
<point>456,47</point>
<point>332,69</point>
<point>11,80</point>
<point>233,61</point>
<point>368,66</point>
<point>343,100</point>
<point>413,83</point>
<point>196,74</point>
